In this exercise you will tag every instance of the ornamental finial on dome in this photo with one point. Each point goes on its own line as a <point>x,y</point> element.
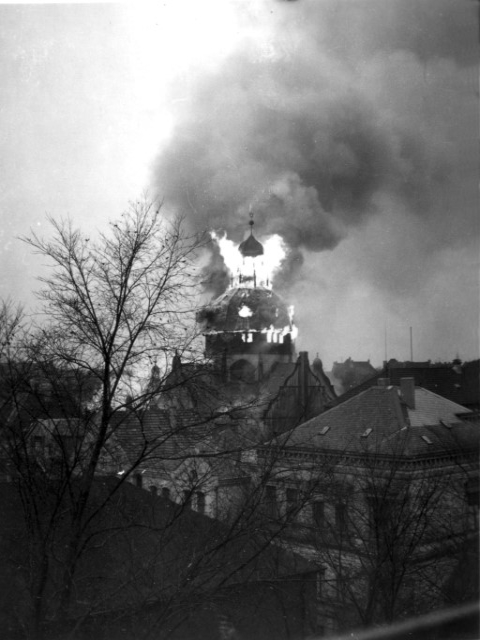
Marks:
<point>251,247</point>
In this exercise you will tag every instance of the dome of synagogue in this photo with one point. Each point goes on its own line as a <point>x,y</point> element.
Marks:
<point>251,247</point>
<point>245,309</point>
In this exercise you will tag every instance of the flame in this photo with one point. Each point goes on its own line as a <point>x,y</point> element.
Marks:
<point>245,312</point>
<point>278,335</point>
<point>291,313</point>
<point>229,252</point>
<point>264,266</point>
<point>274,253</point>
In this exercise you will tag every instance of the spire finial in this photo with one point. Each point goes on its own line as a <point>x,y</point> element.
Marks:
<point>251,247</point>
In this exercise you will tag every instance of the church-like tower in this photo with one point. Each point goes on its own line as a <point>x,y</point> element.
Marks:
<point>249,328</point>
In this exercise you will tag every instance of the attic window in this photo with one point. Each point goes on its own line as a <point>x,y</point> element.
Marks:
<point>427,439</point>
<point>445,424</point>
<point>366,433</point>
<point>324,431</point>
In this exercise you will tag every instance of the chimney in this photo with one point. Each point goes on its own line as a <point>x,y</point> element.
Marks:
<point>303,379</point>
<point>407,389</point>
<point>383,382</point>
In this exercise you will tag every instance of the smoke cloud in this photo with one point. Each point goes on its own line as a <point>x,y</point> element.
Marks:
<point>330,118</point>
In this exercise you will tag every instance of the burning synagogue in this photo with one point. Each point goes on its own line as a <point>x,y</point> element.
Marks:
<point>238,493</point>
<point>375,495</point>
<point>251,387</point>
<point>250,336</point>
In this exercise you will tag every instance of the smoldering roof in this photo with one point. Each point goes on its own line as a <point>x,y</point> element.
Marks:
<point>266,309</point>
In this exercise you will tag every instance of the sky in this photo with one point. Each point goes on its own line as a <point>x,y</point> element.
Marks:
<point>349,127</point>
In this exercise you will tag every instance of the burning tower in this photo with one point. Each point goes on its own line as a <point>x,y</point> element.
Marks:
<point>250,336</point>
<point>249,329</point>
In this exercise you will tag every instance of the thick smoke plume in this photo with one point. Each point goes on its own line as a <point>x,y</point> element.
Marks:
<point>328,116</point>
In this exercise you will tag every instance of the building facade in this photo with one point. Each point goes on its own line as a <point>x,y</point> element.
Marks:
<point>381,494</point>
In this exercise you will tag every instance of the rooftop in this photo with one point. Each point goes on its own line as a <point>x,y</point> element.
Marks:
<point>378,420</point>
<point>245,309</point>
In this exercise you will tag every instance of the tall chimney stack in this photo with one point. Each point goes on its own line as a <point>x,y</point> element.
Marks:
<point>303,379</point>
<point>407,389</point>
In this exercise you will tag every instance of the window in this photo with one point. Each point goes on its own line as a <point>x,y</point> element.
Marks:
<point>473,500</point>
<point>166,493</point>
<point>187,498</point>
<point>381,511</point>
<point>271,500</point>
<point>67,445</point>
<point>340,516</point>
<point>472,492</point>
<point>138,480</point>
<point>292,501</point>
<point>319,582</point>
<point>200,502</point>
<point>318,512</point>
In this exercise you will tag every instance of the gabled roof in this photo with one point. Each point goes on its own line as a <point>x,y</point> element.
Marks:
<point>378,420</point>
<point>30,390</point>
<point>154,435</point>
<point>160,441</point>
<point>74,427</point>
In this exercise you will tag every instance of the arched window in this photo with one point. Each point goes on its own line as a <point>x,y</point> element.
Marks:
<point>243,371</point>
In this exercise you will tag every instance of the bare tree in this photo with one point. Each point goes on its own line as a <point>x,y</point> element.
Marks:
<point>85,419</point>
<point>112,305</point>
